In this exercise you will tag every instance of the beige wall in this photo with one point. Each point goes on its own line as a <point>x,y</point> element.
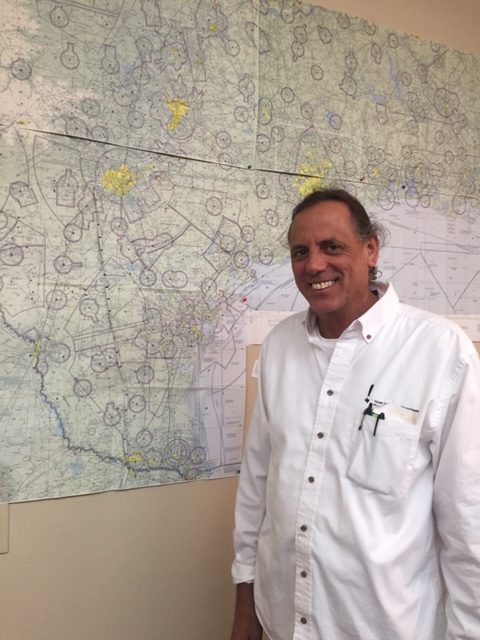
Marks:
<point>146,564</point>
<point>451,22</point>
<point>153,564</point>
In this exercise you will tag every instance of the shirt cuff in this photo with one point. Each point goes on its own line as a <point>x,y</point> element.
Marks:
<point>242,572</point>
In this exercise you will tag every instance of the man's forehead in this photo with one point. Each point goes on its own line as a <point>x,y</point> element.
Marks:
<point>333,220</point>
<point>326,208</point>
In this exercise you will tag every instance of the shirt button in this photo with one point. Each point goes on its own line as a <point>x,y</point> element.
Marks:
<point>320,435</point>
<point>311,479</point>
<point>303,620</point>
<point>330,392</point>
<point>303,574</point>
<point>303,527</point>
<point>368,336</point>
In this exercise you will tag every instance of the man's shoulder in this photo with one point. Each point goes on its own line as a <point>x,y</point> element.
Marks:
<point>285,328</point>
<point>434,327</point>
<point>428,317</point>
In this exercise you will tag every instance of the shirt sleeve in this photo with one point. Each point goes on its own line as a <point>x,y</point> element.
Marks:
<point>456,499</point>
<point>251,494</point>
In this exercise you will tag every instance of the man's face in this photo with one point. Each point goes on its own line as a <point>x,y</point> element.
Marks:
<point>331,264</point>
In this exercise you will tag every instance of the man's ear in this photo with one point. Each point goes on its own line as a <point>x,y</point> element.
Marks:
<point>373,250</point>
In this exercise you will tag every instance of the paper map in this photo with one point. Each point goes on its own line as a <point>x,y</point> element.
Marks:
<point>150,155</point>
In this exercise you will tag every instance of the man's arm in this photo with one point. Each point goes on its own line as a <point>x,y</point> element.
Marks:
<point>250,510</point>
<point>456,500</point>
<point>246,625</point>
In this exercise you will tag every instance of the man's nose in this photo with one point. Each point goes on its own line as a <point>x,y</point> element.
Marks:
<point>316,261</point>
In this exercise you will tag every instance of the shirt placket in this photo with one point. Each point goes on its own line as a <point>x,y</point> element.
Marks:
<point>329,396</point>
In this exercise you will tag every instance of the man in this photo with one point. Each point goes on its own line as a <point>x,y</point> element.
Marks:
<point>358,508</point>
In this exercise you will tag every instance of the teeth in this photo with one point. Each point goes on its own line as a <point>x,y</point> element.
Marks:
<point>323,285</point>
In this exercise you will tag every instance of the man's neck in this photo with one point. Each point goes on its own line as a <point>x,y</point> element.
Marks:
<point>332,325</point>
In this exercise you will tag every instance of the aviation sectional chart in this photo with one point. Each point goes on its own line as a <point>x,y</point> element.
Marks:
<point>150,155</point>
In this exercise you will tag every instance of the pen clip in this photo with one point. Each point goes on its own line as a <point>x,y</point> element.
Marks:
<point>380,416</point>
<point>367,412</point>
<point>367,399</point>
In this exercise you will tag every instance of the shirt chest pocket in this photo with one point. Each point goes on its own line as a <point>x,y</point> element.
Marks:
<point>382,454</point>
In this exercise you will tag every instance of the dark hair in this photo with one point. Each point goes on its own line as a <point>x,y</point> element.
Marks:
<point>364,226</point>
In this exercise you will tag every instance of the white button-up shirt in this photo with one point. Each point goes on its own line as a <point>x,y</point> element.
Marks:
<point>358,508</point>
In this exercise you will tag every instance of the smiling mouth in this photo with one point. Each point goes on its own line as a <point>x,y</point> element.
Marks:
<point>322,285</point>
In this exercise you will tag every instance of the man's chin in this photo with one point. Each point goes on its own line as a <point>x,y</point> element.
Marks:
<point>323,307</point>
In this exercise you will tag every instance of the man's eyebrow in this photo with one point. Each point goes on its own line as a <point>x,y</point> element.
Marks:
<point>324,243</point>
<point>297,244</point>
<point>328,241</point>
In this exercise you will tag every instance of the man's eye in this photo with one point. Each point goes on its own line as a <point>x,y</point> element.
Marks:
<point>299,253</point>
<point>333,248</point>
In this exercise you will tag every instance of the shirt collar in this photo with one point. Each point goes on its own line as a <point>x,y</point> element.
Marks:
<point>371,322</point>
